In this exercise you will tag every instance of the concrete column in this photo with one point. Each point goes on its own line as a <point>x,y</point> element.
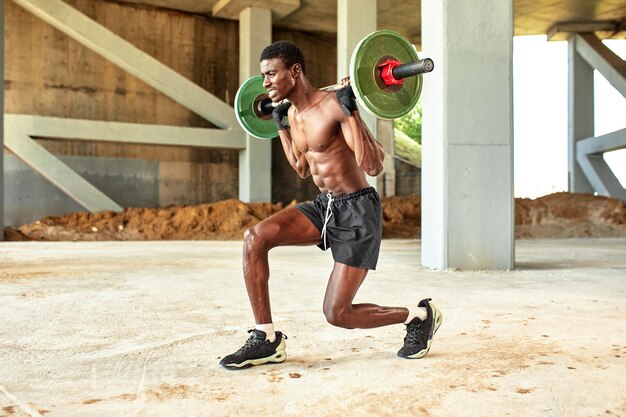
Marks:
<point>2,120</point>
<point>386,182</point>
<point>255,162</point>
<point>355,20</point>
<point>580,123</point>
<point>467,135</point>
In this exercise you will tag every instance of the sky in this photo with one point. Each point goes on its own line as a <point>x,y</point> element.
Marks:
<point>540,115</point>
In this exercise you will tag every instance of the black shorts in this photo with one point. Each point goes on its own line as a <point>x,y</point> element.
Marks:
<point>354,229</point>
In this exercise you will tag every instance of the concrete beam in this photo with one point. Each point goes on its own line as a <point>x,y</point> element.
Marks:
<point>231,9</point>
<point>601,177</point>
<point>50,167</point>
<point>76,129</point>
<point>606,143</point>
<point>590,157</point>
<point>563,30</point>
<point>580,114</point>
<point>600,57</point>
<point>140,64</point>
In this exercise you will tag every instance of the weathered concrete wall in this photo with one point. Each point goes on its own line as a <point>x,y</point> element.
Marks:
<point>130,182</point>
<point>50,74</point>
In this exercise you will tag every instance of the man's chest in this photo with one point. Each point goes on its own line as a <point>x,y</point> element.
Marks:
<point>313,133</point>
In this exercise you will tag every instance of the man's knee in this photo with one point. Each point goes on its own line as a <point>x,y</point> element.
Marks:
<point>253,240</point>
<point>339,316</point>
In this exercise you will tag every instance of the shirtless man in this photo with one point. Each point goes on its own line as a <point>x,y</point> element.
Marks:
<point>326,139</point>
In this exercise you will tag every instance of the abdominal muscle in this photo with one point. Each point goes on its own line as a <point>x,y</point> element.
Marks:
<point>334,170</point>
<point>331,161</point>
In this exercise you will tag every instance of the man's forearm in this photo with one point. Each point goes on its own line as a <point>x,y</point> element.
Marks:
<point>368,152</point>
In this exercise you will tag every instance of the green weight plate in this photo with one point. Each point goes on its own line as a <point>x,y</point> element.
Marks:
<point>386,102</point>
<point>250,93</point>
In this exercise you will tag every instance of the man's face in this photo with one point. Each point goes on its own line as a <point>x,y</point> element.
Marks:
<point>278,80</point>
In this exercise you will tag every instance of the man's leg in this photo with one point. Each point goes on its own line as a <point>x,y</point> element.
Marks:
<point>342,286</point>
<point>287,227</point>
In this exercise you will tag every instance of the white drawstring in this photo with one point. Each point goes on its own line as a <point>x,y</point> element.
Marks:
<point>328,214</point>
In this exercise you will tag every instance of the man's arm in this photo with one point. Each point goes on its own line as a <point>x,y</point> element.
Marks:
<point>368,152</point>
<point>295,158</point>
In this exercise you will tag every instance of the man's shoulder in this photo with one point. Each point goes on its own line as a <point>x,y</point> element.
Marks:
<point>328,99</point>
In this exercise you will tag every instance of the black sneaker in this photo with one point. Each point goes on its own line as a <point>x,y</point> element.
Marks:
<point>257,351</point>
<point>419,333</point>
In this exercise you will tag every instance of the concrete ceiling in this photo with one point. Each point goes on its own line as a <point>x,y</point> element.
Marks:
<point>532,17</point>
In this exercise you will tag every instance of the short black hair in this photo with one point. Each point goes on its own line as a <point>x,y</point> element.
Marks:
<point>288,52</point>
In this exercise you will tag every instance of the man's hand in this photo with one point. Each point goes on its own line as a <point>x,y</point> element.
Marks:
<point>347,100</point>
<point>279,113</point>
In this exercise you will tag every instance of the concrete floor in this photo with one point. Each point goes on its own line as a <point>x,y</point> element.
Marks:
<point>137,329</point>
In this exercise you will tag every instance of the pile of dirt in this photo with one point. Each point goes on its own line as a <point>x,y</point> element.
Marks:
<point>560,215</point>
<point>568,215</point>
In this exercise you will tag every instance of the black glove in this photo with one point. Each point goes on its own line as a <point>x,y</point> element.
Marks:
<point>347,100</point>
<point>279,113</point>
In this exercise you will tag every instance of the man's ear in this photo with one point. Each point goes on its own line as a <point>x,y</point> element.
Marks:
<point>296,70</point>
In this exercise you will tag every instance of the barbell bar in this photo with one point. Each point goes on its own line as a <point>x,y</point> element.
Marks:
<point>398,72</point>
<point>385,74</point>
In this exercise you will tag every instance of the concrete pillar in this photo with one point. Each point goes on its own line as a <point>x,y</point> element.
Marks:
<point>467,135</point>
<point>386,182</point>
<point>580,123</point>
<point>2,120</point>
<point>355,20</point>
<point>255,162</point>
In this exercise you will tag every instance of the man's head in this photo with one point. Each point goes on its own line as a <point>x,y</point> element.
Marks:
<point>287,52</point>
<point>282,67</point>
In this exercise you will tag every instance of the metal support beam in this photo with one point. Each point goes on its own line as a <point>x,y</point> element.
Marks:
<point>50,167</point>
<point>140,64</point>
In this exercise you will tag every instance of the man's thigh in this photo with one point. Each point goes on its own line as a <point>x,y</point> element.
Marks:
<point>288,227</point>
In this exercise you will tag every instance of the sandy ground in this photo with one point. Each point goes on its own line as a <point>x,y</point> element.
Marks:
<point>138,328</point>
<point>560,215</point>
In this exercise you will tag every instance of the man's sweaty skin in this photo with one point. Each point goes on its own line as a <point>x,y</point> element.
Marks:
<point>337,151</point>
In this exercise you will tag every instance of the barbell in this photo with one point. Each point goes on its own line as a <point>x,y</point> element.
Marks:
<point>385,74</point>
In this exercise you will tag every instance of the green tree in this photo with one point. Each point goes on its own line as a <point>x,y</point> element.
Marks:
<point>411,123</point>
